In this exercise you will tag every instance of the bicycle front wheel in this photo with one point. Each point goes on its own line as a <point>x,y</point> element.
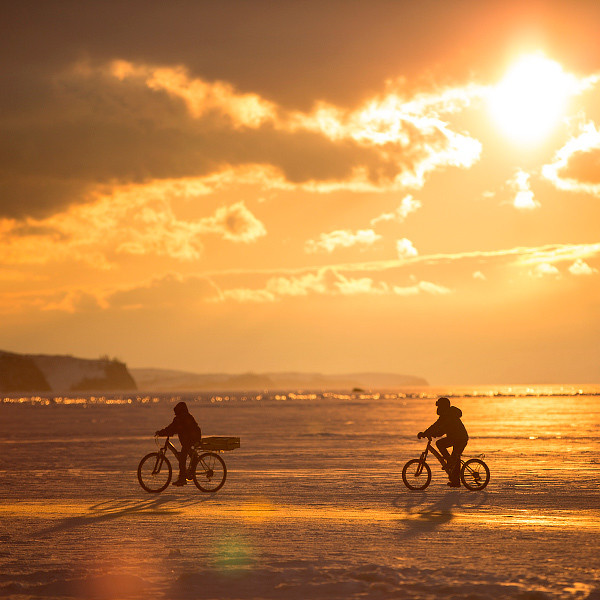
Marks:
<point>210,472</point>
<point>154,472</point>
<point>475,474</point>
<point>416,474</point>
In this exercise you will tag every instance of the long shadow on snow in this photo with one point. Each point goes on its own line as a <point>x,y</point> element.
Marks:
<point>117,508</point>
<point>424,514</point>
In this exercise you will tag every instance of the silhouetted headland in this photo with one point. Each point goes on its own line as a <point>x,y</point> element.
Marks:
<point>38,373</point>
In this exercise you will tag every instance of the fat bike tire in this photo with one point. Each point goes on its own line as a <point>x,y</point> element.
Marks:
<point>416,474</point>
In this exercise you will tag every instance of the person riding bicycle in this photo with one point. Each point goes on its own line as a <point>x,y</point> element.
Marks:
<point>450,425</point>
<point>188,430</point>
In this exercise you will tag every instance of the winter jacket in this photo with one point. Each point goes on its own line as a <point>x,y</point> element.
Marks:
<point>184,425</point>
<point>449,424</point>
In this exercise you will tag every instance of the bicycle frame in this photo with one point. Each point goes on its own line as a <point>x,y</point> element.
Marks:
<point>168,445</point>
<point>431,448</point>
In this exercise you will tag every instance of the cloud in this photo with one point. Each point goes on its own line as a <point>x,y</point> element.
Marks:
<point>328,242</point>
<point>555,253</point>
<point>243,295</point>
<point>330,282</point>
<point>422,287</point>
<point>479,276</point>
<point>202,97</point>
<point>519,257</point>
<point>170,290</point>
<point>372,278</point>
<point>75,300</point>
<point>406,249</point>
<point>524,198</point>
<point>413,139</point>
<point>120,122</point>
<point>137,220</point>
<point>407,206</point>
<point>325,281</point>
<point>235,223</point>
<point>544,270</point>
<point>576,166</point>
<point>579,267</point>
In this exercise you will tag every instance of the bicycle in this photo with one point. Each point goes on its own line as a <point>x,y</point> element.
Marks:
<point>416,474</point>
<point>206,469</point>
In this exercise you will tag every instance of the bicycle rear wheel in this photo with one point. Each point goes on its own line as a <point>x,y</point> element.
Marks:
<point>154,472</point>
<point>416,474</point>
<point>475,474</point>
<point>210,472</point>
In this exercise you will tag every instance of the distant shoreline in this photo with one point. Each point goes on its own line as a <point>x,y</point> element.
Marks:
<point>165,380</point>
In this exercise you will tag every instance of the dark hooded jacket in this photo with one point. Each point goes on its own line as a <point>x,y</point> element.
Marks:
<point>184,425</point>
<point>449,424</point>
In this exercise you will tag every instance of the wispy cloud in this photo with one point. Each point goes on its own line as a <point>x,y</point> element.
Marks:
<point>131,220</point>
<point>328,281</point>
<point>345,238</point>
<point>201,97</point>
<point>331,283</point>
<point>556,253</point>
<point>407,206</point>
<point>325,281</point>
<point>169,290</point>
<point>422,287</point>
<point>344,279</point>
<point>520,256</point>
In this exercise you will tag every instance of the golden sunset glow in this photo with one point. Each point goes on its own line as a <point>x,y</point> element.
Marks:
<point>531,99</point>
<point>410,191</point>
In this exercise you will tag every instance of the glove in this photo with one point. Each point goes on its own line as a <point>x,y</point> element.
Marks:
<point>421,435</point>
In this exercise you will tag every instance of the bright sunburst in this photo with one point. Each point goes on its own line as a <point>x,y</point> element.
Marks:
<point>531,99</point>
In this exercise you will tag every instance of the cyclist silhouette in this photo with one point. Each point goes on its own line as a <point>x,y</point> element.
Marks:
<point>185,426</point>
<point>450,425</point>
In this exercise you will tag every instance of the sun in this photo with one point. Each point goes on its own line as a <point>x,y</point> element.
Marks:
<point>530,101</point>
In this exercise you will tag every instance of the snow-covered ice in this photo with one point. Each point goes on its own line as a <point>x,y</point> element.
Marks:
<point>313,505</point>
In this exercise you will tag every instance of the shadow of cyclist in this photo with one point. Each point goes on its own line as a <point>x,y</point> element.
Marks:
<point>422,516</point>
<point>115,509</point>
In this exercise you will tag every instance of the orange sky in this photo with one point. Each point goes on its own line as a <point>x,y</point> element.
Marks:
<point>323,186</point>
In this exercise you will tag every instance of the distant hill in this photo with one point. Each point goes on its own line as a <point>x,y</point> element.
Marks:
<point>47,373</point>
<point>164,380</point>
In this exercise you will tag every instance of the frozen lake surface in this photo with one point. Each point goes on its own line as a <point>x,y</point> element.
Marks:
<point>313,506</point>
